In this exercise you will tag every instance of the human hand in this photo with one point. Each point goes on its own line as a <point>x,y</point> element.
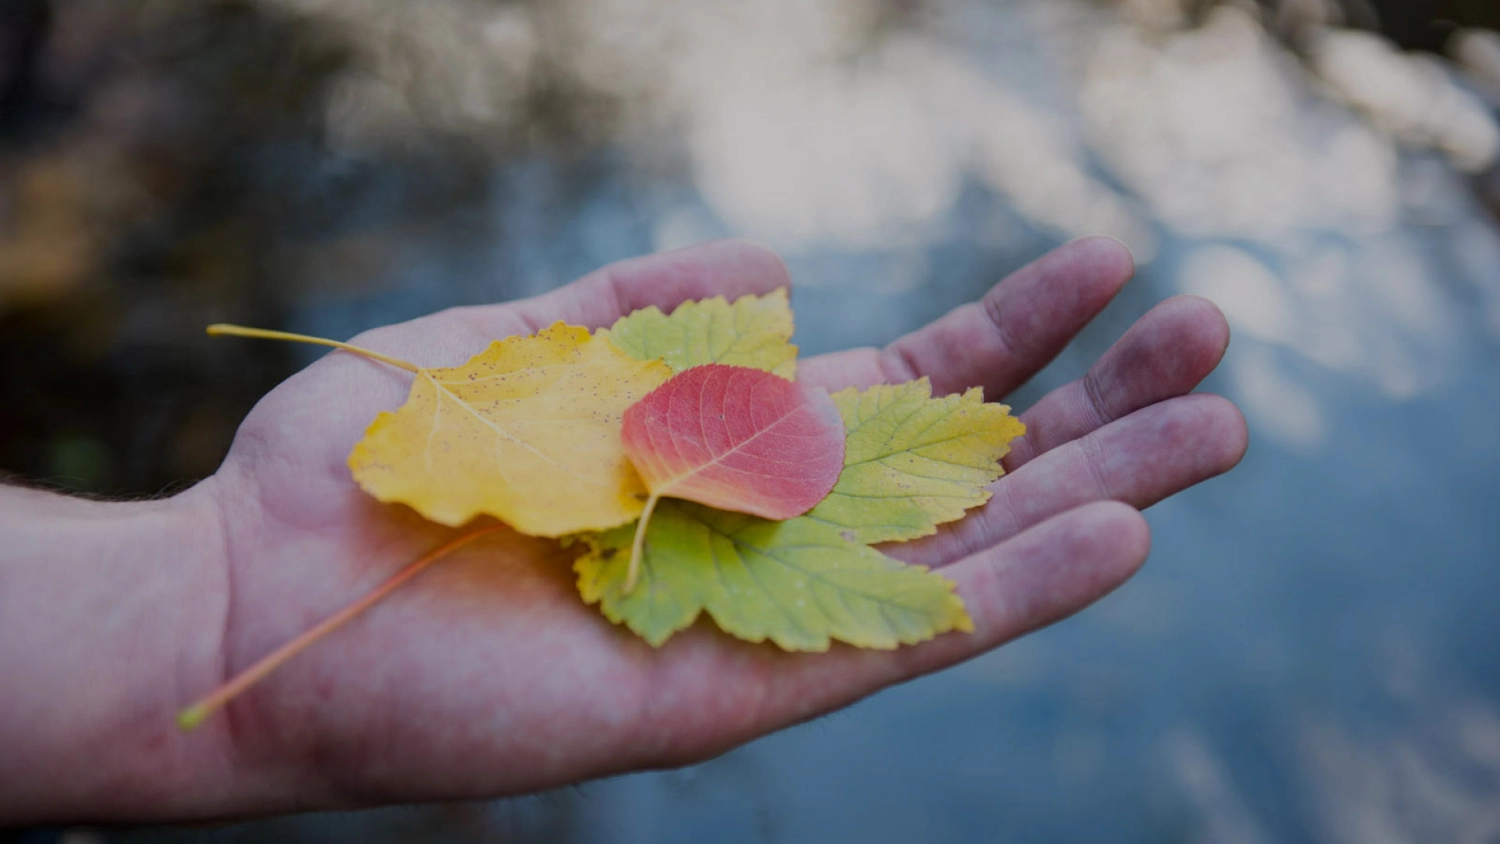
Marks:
<point>488,675</point>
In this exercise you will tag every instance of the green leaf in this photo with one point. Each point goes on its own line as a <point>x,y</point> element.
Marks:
<point>755,331</point>
<point>912,462</point>
<point>798,583</point>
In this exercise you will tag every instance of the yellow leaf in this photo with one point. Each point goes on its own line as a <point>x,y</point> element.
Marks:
<point>913,462</point>
<point>753,331</point>
<point>528,431</point>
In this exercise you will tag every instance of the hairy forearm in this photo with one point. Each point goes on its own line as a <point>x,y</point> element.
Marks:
<point>110,618</point>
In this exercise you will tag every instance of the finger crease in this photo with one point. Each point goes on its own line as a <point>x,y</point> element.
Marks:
<point>1006,508</point>
<point>1094,394</point>
<point>1008,347</point>
<point>616,290</point>
<point>1093,461</point>
<point>897,364</point>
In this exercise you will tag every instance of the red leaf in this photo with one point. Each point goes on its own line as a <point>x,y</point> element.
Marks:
<point>737,439</point>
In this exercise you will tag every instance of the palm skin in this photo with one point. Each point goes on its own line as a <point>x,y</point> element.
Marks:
<point>489,676</point>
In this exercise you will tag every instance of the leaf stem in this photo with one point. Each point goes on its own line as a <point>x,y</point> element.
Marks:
<point>638,547</point>
<point>194,715</point>
<point>221,328</point>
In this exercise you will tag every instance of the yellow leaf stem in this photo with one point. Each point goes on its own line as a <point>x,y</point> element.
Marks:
<point>638,543</point>
<point>225,329</point>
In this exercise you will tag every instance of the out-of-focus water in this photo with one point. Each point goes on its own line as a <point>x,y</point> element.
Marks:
<point>1313,652</point>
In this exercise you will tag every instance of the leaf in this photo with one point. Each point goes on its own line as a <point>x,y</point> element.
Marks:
<point>798,583</point>
<point>912,462</point>
<point>755,331</point>
<point>737,439</point>
<point>528,431</point>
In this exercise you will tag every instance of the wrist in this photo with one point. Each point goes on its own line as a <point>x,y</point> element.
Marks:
<point>111,615</point>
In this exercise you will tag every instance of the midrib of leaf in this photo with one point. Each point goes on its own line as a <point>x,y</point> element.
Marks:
<point>501,431</point>
<point>886,455</point>
<point>770,596</point>
<point>907,496</point>
<point>911,473</point>
<point>884,449</point>
<point>666,490</point>
<point>887,450</point>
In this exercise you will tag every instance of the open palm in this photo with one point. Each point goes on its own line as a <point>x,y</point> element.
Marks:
<point>489,676</point>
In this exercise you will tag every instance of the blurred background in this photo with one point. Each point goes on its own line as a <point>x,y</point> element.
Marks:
<point>1313,653</point>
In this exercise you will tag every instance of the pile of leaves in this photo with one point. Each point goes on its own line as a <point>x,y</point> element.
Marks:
<point>530,432</point>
